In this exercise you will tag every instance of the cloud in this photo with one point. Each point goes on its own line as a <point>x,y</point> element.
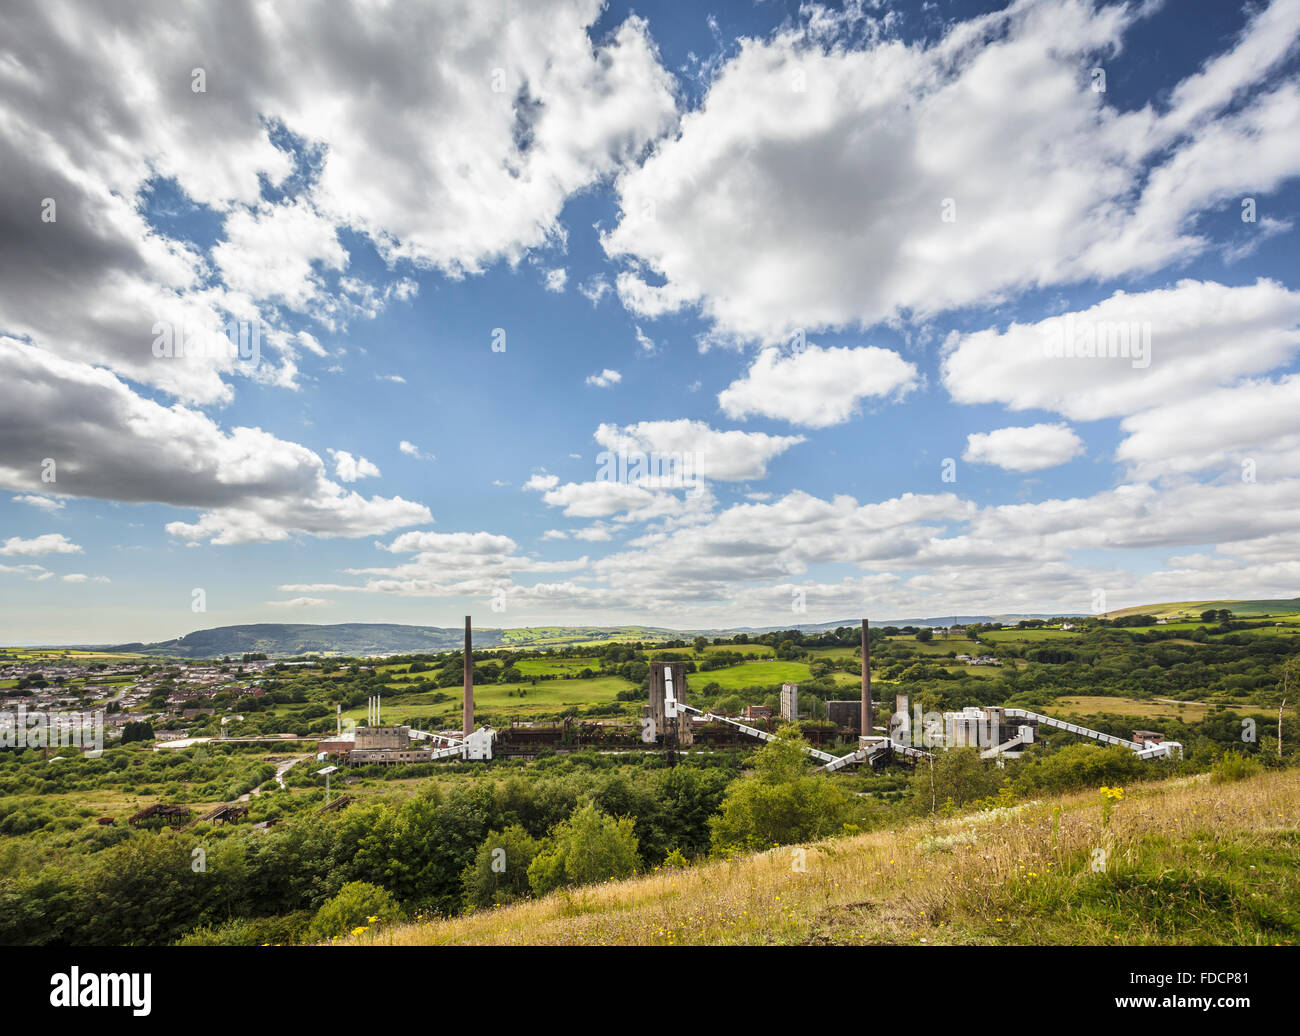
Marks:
<point>594,288</point>
<point>349,469</point>
<point>542,482</point>
<point>45,503</point>
<point>1201,334</point>
<point>622,501</point>
<point>817,387</point>
<point>49,543</point>
<point>104,438</point>
<point>556,279</point>
<point>35,573</point>
<point>605,378</point>
<point>1024,449</point>
<point>411,450</point>
<point>307,127</point>
<point>727,456</point>
<point>273,251</point>
<point>81,577</point>
<point>301,602</point>
<point>645,343</point>
<point>825,183</point>
<point>1247,430</point>
<point>445,565</point>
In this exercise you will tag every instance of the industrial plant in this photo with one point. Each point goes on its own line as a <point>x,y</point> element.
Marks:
<point>670,725</point>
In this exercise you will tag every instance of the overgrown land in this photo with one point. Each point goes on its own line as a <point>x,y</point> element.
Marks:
<point>1193,860</point>
<point>216,815</point>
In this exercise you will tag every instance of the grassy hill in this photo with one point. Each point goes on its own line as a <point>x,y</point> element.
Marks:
<point>1241,609</point>
<point>375,639</point>
<point>286,639</point>
<point>1186,861</point>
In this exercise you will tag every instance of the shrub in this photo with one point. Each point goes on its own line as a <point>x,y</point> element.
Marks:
<point>1233,767</point>
<point>499,873</point>
<point>589,847</point>
<point>355,905</point>
<point>779,803</point>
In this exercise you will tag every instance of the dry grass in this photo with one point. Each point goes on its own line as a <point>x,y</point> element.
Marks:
<point>1083,706</point>
<point>1187,861</point>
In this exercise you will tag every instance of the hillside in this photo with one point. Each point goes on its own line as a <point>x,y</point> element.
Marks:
<point>286,639</point>
<point>363,639</point>
<point>1187,861</point>
<point>1170,609</point>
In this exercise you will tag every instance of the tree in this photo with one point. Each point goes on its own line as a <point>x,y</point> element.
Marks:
<point>925,636</point>
<point>700,644</point>
<point>779,803</point>
<point>499,873</point>
<point>1287,689</point>
<point>141,731</point>
<point>589,847</point>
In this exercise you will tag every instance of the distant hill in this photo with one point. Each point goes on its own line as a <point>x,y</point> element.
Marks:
<point>285,639</point>
<point>366,639</point>
<point>1170,609</point>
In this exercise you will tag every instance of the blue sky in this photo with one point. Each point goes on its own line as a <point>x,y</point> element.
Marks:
<point>815,251</point>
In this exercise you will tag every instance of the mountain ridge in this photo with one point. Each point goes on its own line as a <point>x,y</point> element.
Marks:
<point>375,639</point>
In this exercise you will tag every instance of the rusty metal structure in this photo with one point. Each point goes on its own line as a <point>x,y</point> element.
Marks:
<point>160,815</point>
<point>669,722</point>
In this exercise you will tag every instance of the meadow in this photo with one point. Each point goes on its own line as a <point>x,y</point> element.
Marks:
<point>1183,861</point>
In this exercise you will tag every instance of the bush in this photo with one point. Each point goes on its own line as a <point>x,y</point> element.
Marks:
<point>499,873</point>
<point>960,776</point>
<point>354,907</point>
<point>252,931</point>
<point>589,847</point>
<point>780,803</point>
<point>1234,767</point>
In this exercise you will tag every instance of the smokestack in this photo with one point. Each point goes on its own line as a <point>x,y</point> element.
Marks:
<point>867,726</point>
<point>469,680</point>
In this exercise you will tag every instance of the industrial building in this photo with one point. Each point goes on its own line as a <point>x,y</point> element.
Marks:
<point>668,723</point>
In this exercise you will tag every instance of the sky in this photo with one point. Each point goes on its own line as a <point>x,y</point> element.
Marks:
<point>684,315</point>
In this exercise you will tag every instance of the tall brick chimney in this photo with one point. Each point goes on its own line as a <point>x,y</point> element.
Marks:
<point>867,725</point>
<point>469,680</point>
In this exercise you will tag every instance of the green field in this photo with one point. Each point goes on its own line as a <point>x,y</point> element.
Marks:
<point>1028,635</point>
<point>54,654</point>
<point>547,697</point>
<point>752,674</point>
<point>556,666</point>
